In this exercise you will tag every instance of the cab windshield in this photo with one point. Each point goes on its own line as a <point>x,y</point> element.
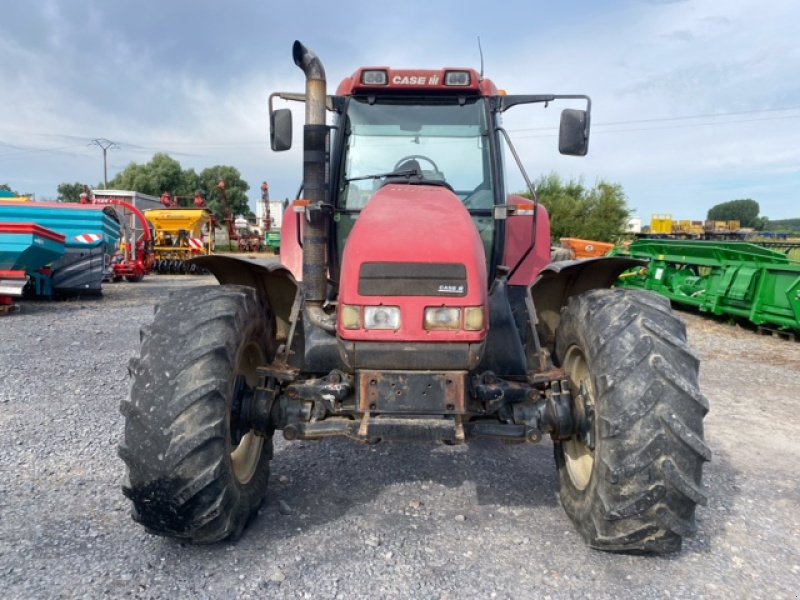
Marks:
<point>442,142</point>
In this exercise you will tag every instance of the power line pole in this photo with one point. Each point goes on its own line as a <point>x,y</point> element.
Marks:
<point>105,145</point>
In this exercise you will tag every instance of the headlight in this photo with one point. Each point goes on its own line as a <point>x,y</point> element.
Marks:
<point>381,317</point>
<point>351,317</point>
<point>442,317</point>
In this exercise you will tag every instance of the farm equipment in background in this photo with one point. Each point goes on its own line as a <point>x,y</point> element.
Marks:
<point>579,249</point>
<point>415,300</point>
<point>227,217</point>
<point>91,234</point>
<point>271,218</point>
<point>179,236</point>
<point>26,250</point>
<point>250,241</point>
<point>136,257</point>
<point>665,227</point>
<point>737,279</point>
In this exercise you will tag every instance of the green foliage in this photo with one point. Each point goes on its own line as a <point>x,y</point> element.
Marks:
<point>599,213</point>
<point>164,174</point>
<point>784,226</point>
<point>235,188</point>
<point>745,211</point>
<point>4,187</point>
<point>70,192</point>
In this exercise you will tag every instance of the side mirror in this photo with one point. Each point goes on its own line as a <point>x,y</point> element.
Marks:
<point>573,135</point>
<point>280,129</point>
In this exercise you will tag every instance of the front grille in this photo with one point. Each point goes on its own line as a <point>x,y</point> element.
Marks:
<point>412,279</point>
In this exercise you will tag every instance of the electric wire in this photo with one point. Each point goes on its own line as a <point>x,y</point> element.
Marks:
<point>597,128</point>
<point>678,118</point>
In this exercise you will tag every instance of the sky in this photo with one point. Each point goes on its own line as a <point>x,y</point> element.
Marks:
<point>694,102</point>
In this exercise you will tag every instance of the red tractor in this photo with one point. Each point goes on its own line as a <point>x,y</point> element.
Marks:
<point>414,300</point>
<point>137,258</point>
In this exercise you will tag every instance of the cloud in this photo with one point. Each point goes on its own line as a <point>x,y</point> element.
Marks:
<point>193,78</point>
<point>681,36</point>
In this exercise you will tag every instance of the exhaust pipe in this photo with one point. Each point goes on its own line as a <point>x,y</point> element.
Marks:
<point>315,231</point>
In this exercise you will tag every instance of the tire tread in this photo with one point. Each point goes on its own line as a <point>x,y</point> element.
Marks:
<point>648,461</point>
<point>176,443</point>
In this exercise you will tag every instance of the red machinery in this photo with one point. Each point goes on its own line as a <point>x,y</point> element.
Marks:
<point>415,300</point>
<point>137,259</point>
<point>247,242</point>
<point>266,222</point>
<point>227,215</point>
<point>175,201</point>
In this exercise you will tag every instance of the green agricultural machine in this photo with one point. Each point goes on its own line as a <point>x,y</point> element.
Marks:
<point>723,278</point>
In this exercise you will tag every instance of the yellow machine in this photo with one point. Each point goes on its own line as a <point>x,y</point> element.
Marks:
<point>666,226</point>
<point>661,224</point>
<point>179,235</point>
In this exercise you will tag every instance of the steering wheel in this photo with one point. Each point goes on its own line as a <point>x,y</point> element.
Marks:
<point>423,179</point>
<point>417,157</point>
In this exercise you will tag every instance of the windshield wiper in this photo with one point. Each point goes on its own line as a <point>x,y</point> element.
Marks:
<point>403,173</point>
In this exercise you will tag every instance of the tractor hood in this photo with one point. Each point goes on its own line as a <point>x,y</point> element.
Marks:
<point>413,246</point>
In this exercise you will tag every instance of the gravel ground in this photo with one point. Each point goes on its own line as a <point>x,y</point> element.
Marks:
<point>348,521</point>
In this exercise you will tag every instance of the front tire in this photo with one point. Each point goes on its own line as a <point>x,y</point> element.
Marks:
<point>186,478</point>
<point>630,483</point>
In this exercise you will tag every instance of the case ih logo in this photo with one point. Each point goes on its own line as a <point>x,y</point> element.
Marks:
<point>451,289</point>
<point>415,80</point>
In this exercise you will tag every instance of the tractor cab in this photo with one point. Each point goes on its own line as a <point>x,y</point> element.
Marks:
<point>435,128</point>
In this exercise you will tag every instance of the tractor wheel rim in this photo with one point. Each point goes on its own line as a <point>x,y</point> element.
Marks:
<point>579,458</point>
<point>246,455</point>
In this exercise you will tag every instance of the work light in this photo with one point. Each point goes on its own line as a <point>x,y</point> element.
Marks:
<point>456,78</point>
<point>373,77</point>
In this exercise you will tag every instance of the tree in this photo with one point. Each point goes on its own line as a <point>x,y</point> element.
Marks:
<point>70,192</point>
<point>164,174</point>
<point>4,187</point>
<point>235,188</point>
<point>745,211</point>
<point>599,213</point>
<point>784,226</point>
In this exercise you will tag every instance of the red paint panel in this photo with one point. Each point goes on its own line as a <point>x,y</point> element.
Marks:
<point>525,266</point>
<point>291,255</point>
<point>62,205</point>
<point>32,229</point>
<point>414,224</point>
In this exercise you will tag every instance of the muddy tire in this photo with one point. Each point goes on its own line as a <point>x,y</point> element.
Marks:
<point>186,479</point>
<point>625,353</point>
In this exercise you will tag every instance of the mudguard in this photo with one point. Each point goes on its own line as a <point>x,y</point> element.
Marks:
<point>271,280</point>
<point>560,280</point>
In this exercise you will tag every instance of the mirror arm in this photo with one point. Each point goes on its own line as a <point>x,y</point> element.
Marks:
<point>503,103</point>
<point>330,101</point>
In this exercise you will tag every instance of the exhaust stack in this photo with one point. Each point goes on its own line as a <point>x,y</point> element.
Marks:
<point>315,231</point>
